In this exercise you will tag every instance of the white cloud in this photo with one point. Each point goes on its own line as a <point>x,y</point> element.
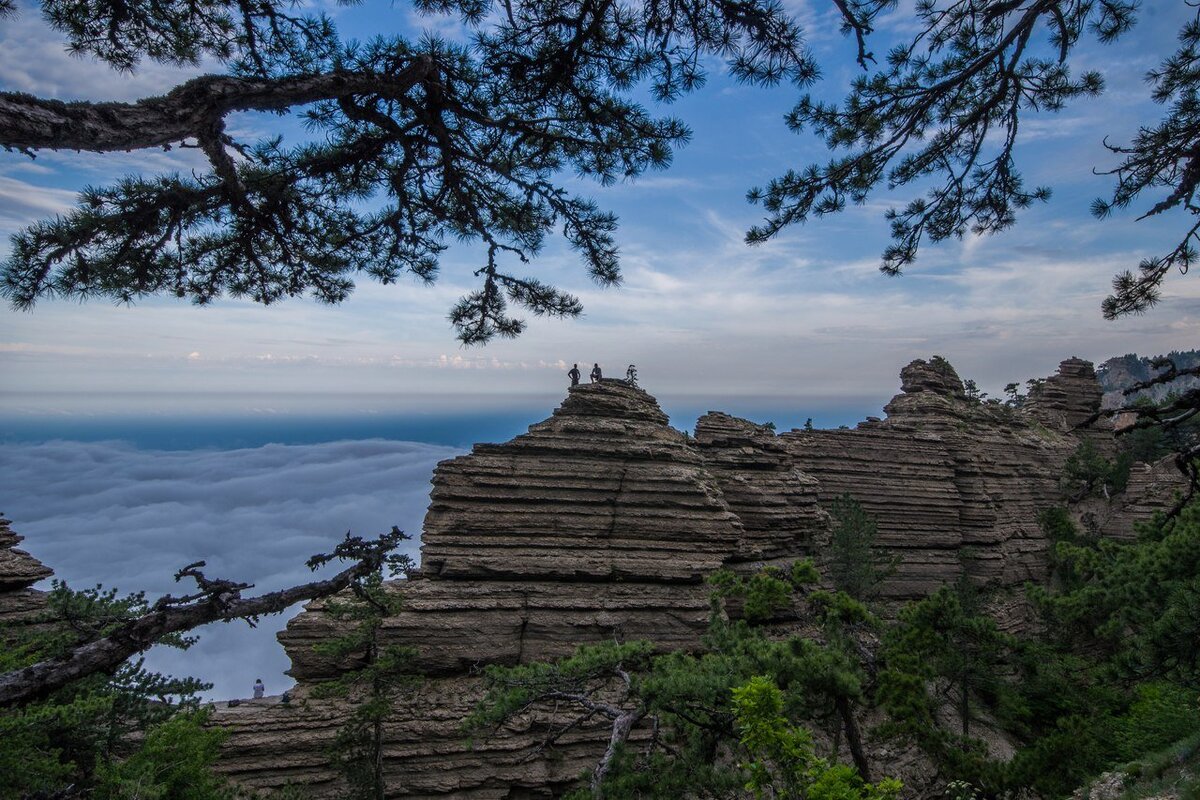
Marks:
<point>23,203</point>
<point>33,59</point>
<point>129,518</point>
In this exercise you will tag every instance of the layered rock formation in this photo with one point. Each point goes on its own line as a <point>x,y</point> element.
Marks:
<point>1068,399</point>
<point>954,484</point>
<point>598,524</point>
<point>18,572</point>
<point>601,522</point>
<point>604,490</point>
<point>775,503</point>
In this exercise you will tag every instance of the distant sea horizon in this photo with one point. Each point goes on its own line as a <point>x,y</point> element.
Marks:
<point>157,423</point>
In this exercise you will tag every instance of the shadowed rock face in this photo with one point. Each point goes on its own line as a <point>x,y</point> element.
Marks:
<point>1067,399</point>
<point>19,571</point>
<point>956,485</point>
<point>601,522</point>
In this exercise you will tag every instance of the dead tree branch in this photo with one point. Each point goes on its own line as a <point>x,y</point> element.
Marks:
<point>216,600</point>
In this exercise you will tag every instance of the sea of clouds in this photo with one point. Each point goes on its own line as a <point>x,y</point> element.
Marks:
<point>113,514</point>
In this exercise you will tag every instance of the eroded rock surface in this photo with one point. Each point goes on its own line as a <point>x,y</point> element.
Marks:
<point>603,490</point>
<point>775,503</point>
<point>458,626</point>
<point>18,572</point>
<point>955,485</point>
<point>598,524</point>
<point>601,522</point>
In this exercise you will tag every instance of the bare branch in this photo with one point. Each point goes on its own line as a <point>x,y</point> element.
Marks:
<point>218,600</point>
<point>192,110</point>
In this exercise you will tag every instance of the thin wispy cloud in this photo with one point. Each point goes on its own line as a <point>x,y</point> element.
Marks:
<point>34,59</point>
<point>23,203</point>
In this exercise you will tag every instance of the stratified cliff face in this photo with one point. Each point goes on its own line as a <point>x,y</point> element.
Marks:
<point>775,503</point>
<point>955,485</point>
<point>604,490</point>
<point>601,522</point>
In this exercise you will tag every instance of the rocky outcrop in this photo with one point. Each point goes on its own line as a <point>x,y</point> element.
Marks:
<point>603,490</point>
<point>426,754</point>
<point>1152,489</point>
<point>1066,400</point>
<point>955,485</point>
<point>600,524</point>
<point>18,569</point>
<point>456,627</point>
<point>18,572</point>
<point>775,503</point>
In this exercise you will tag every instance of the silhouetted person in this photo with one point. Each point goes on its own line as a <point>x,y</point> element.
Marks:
<point>574,374</point>
<point>631,375</point>
<point>259,689</point>
<point>596,373</point>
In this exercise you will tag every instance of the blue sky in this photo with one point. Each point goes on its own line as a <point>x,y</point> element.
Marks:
<point>803,326</point>
<point>804,321</point>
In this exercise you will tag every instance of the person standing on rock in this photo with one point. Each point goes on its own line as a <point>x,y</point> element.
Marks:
<point>631,375</point>
<point>259,689</point>
<point>574,374</point>
<point>596,373</point>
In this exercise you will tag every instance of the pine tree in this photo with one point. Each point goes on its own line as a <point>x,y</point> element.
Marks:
<point>855,564</point>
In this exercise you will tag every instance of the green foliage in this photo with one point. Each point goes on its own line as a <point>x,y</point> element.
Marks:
<point>781,759</point>
<point>781,753</point>
<point>1152,442</point>
<point>1161,714</point>
<point>173,763</point>
<point>1059,528</point>
<point>944,650</point>
<point>1135,603</point>
<point>1107,678</point>
<point>102,734</point>
<point>1087,472</point>
<point>691,697</point>
<point>855,565</point>
<point>1013,396</point>
<point>767,593</point>
<point>590,668</point>
<point>1110,677</point>
<point>383,672</point>
<point>1057,525</point>
<point>960,790</point>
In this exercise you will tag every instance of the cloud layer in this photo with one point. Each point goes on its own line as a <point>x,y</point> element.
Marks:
<point>129,518</point>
